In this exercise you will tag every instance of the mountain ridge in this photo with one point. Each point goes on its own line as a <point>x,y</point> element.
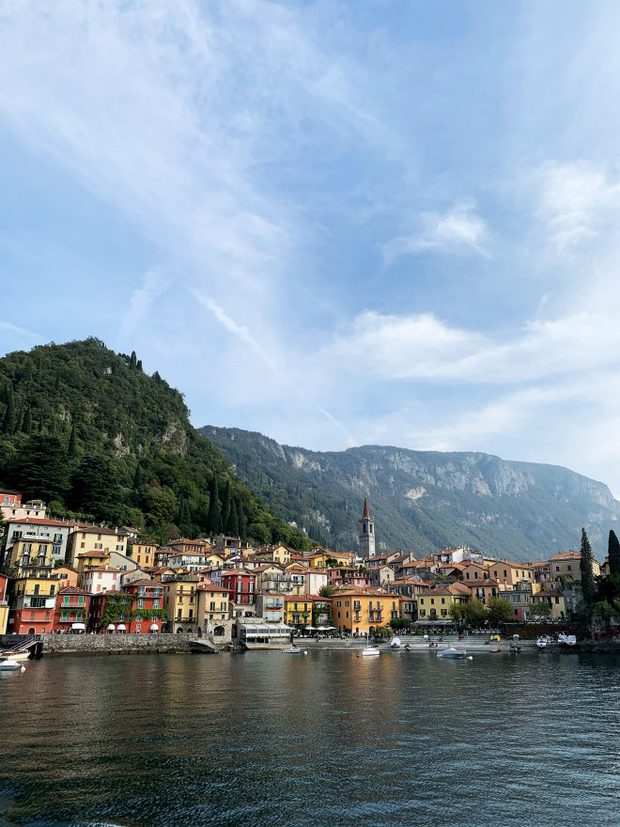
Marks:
<point>423,500</point>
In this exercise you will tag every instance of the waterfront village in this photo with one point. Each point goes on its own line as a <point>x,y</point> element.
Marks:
<point>60,577</point>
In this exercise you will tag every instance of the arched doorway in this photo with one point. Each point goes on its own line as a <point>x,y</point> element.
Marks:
<point>32,631</point>
<point>219,631</point>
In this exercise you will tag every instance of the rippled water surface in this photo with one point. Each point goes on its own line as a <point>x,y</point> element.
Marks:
<point>328,739</point>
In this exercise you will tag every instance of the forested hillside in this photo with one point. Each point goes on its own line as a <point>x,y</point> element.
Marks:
<point>86,430</point>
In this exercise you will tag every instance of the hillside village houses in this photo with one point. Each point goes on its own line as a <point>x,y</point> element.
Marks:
<point>63,576</point>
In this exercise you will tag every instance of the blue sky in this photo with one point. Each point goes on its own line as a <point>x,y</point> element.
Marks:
<point>335,223</point>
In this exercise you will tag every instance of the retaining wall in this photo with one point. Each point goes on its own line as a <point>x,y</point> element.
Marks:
<point>115,644</point>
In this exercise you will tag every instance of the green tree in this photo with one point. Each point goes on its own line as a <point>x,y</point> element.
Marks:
<point>472,613</point>
<point>8,423</point>
<point>585,567</point>
<point>162,506</point>
<point>500,611</point>
<point>185,519</point>
<point>72,447</point>
<point>540,609</point>
<point>327,591</point>
<point>214,515</point>
<point>233,521</point>
<point>96,489</point>
<point>613,550</point>
<point>41,469</point>
<point>133,360</point>
<point>243,521</point>
<point>27,427</point>
<point>226,506</point>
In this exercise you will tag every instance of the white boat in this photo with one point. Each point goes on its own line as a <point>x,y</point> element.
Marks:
<point>567,640</point>
<point>452,654</point>
<point>292,650</point>
<point>9,665</point>
<point>395,643</point>
<point>14,655</point>
<point>370,652</point>
<point>542,642</point>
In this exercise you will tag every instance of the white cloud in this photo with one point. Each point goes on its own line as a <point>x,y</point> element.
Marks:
<point>459,230</point>
<point>155,282</point>
<point>576,200</point>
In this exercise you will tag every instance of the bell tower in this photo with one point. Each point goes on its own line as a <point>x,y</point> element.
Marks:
<point>367,532</point>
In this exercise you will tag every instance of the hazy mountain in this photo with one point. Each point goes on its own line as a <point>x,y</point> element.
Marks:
<point>424,500</point>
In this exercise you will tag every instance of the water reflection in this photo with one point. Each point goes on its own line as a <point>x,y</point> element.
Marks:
<point>330,738</point>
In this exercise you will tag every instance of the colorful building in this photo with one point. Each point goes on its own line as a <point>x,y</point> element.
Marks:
<point>147,607</point>
<point>213,606</point>
<point>55,533</point>
<point>362,612</point>
<point>241,586</point>
<point>4,603</point>
<point>88,560</point>
<point>181,603</point>
<point>436,604</point>
<point>33,603</point>
<point>99,581</point>
<point>143,553</point>
<point>348,577</point>
<point>566,565</point>
<point>71,610</point>
<point>87,538</point>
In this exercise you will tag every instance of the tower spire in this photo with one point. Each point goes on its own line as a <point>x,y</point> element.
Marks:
<point>367,532</point>
<point>366,512</point>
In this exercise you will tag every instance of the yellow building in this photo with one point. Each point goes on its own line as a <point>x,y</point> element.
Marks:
<point>323,559</point>
<point>92,560</point>
<point>566,565</point>
<point>94,538</point>
<point>298,610</point>
<point>213,605</point>
<point>276,553</point>
<point>143,554</point>
<point>553,597</point>
<point>510,575</point>
<point>26,554</point>
<point>67,576</point>
<point>361,612</point>
<point>4,605</point>
<point>181,603</point>
<point>436,604</point>
<point>33,603</point>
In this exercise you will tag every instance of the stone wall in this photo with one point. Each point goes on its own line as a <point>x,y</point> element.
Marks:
<point>115,644</point>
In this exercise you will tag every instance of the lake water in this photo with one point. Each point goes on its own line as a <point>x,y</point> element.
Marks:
<point>328,739</point>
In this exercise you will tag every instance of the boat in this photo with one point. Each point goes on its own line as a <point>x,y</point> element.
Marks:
<point>370,652</point>
<point>19,656</point>
<point>395,643</point>
<point>542,642</point>
<point>9,665</point>
<point>567,640</point>
<point>291,650</point>
<point>452,654</point>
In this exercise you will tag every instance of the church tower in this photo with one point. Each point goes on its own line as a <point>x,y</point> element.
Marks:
<point>367,532</point>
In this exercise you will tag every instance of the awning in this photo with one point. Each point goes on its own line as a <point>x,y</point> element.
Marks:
<point>310,629</point>
<point>121,627</point>
<point>154,627</point>
<point>79,627</point>
<point>111,627</point>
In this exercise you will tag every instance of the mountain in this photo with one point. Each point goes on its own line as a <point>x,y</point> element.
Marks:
<point>88,431</point>
<point>423,500</point>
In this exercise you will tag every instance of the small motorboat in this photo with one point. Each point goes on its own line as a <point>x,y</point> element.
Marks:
<point>19,656</point>
<point>395,643</point>
<point>567,640</point>
<point>452,654</point>
<point>291,650</point>
<point>370,652</point>
<point>9,665</point>
<point>542,642</point>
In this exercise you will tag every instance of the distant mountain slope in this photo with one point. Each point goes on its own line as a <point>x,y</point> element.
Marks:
<point>424,500</point>
<point>88,431</point>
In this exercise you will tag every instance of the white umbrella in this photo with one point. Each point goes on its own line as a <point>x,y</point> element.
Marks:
<point>79,627</point>
<point>154,627</point>
<point>111,627</point>
<point>310,629</point>
<point>121,627</point>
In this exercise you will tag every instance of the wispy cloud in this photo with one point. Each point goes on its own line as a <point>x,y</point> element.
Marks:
<point>457,231</point>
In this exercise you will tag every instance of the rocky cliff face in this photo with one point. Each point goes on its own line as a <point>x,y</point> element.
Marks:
<point>424,500</point>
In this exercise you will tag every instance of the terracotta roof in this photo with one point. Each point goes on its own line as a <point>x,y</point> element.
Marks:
<point>144,582</point>
<point>72,590</point>
<point>94,554</point>
<point>566,555</point>
<point>41,521</point>
<point>96,529</point>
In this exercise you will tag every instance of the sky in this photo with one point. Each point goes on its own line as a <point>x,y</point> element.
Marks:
<point>336,223</point>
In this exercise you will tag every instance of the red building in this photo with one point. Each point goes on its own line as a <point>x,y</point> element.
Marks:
<point>138,609</point>
<point>10,499</point>
<point>72,608</point>
<point>241,585</point>
<point>147,614</point>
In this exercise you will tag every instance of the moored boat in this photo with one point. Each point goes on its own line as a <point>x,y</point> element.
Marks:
<point>370,652</point>
<point>9,665</point>
<point>542,642</point>
<point>451,653</point>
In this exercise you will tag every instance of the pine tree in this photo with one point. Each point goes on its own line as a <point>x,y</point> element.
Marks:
<point>226,504</point>
<point>133,360</point>
<point>8,424</point>
<point>243,522</point>
<point>139,365</point>
<point>233,520</point>
<point>72,447</point>
<point>19,423</point>
<point>214,517</point>
<point>614,554</point>
<point>585,566</point>
<point>185,519</point>
<point>27,427</point>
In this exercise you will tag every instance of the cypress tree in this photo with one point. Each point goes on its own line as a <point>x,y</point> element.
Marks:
<point>139,365</point>
<point>243,522</point>
<point>226,504</point>
<point>27,427</point>
<point>215,510</point>
<point>8,424</point>
<point>233,520</point>
<point>585,566</point>
<point>19,423</point>
<point>72,447</point>
<point>185,518</point>
<point>133,360</point>
<point>614,554</point>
